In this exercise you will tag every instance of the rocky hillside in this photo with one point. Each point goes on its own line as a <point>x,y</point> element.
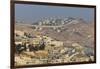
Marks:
<point>65,40</point>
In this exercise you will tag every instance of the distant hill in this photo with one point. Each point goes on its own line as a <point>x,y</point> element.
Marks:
<point>57,21</point>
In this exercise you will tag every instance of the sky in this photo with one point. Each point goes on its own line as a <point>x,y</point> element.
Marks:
<point>32,13</point>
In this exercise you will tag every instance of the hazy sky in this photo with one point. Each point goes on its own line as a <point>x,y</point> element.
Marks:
<point>32,13</point>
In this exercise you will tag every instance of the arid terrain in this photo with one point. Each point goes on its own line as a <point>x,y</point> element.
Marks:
<point>54,40</point>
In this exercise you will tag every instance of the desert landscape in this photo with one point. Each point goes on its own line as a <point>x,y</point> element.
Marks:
<point>54,40</point>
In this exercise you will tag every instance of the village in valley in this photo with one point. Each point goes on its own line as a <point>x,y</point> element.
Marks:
<point>52,41</point>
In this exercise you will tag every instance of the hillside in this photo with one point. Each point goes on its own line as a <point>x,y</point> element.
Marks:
<point>65,40</point>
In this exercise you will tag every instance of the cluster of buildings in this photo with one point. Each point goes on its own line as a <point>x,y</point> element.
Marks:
<point>54,21</point>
